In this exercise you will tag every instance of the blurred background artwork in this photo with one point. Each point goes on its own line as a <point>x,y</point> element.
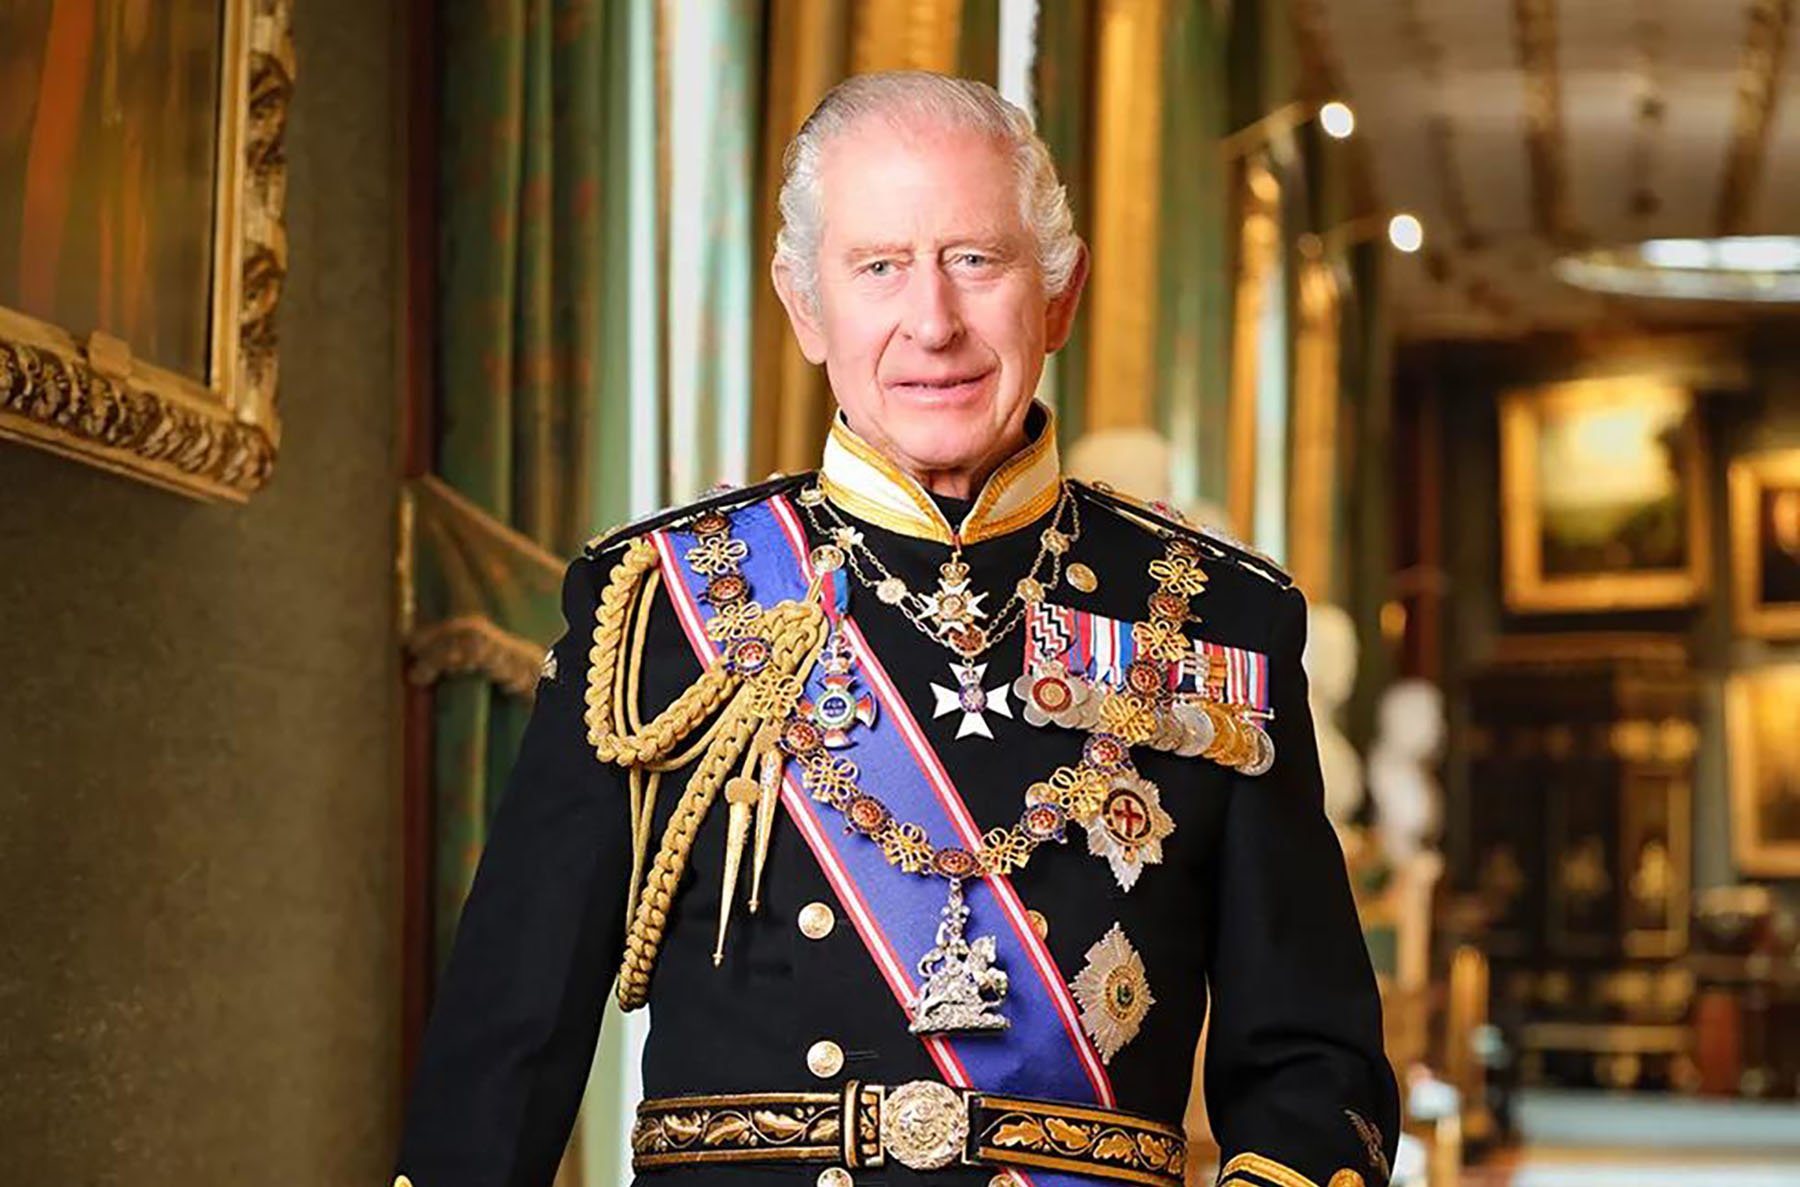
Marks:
<point>1765,542</point>
<point>1765,774</point>
<point>1478,319</point>
<point>1330,662</point>
<point>1603,488</point>
<point>107,169</point>
<point>141,239</point>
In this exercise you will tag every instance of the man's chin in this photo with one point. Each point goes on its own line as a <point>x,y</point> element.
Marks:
<point>952,438</point>
<point>944,452</point>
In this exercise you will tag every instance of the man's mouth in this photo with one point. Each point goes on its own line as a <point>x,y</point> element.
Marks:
<point>939,385</point>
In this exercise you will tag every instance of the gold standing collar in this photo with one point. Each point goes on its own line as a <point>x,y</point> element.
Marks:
<point>860,480</point>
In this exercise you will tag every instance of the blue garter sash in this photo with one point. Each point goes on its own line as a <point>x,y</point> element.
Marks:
<point>1045,1054</point>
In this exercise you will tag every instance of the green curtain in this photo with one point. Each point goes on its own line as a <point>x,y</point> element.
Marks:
<point>1193,371</point>
<point>1368,383</point>
<point>978,40</point>
<point>522,195</point>
<point>1062,88</point>
<point>713,133</point>
<point>595,281</point>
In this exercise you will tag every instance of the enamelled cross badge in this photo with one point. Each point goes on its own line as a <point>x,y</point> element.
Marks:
<point>973,700</point>
<point>839,706</point>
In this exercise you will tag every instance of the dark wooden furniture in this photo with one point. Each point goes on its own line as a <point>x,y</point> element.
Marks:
<point>1580,829</point>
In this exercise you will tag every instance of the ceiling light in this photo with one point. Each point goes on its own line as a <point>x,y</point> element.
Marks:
<point>1763,268</point>
<point>1338,120</point>
<point>1406,233</point>
<point>1677,253</point>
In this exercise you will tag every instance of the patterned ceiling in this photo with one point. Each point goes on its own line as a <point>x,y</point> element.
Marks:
<point>1519,129</point>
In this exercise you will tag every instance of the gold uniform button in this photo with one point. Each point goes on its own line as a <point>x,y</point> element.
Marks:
<point>1003,1179</point>
<point>825,1059</point>
<point>1039,924</point>
<point>403,1181</point>
<point>1346,1178</point>
<point>1082,578</point>
<point>817,921</point>
<point>835,1176</point>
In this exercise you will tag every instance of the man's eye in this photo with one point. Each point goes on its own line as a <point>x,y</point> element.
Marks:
<point>880,267</point>
<point>974,259</point>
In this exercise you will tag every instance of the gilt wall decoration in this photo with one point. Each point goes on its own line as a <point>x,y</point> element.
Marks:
<point>142,251</point>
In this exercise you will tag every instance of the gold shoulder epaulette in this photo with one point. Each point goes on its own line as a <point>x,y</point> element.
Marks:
<point>725,498</point>
<point>1165,520</point>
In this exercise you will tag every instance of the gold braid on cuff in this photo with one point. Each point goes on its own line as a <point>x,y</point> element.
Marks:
<point>1258,1170</point>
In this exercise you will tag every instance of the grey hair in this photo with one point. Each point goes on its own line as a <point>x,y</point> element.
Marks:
<point>911,97</point>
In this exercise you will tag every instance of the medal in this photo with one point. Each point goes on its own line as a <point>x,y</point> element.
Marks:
<point>1052,696</point>
<point>961,987</point>
<point>838,708</point>
<point>952,608</point>
<point>1129,828</point>
<point>1113,992</point>
<point>1264,750</point>
<point>971,699</point>
<point>952,615</point>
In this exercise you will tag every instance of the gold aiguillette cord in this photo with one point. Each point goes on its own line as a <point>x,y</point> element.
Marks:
<point>745,707</point>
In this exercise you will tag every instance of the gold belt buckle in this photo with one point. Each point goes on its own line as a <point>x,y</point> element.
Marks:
<point>925,1125</point>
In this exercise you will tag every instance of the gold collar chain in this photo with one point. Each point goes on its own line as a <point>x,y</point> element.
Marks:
<point>949,615</point>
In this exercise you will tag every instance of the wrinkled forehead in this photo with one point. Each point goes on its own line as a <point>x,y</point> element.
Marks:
<point>902,178</point>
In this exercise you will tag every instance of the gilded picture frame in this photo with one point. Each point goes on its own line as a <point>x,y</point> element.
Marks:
<point>1765,543</point>
<point>1603,496</point>
<point>197,417</point>
<point>1763,758</point>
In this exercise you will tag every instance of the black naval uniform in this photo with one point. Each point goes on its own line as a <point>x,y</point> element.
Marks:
<point>1250,907</point>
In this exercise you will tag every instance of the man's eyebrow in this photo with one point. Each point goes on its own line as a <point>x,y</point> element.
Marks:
<point>992,244</point>
<point>865,251</point>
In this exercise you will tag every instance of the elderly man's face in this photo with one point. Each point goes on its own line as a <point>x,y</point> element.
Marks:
<point>932,321</point>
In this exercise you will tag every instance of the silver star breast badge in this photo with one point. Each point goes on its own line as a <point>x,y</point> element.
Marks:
<point>1113,992</point>
<point>1129,829</point>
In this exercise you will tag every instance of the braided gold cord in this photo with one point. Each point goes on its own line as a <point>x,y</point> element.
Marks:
<point>643,938</point>
<point>697,702</point>
<point>795,642</point>
<point>643,785</point>
<point>795,632</point>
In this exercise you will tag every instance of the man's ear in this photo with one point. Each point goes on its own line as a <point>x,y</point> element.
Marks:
<point>1059,316</point>
<point>805,321</point>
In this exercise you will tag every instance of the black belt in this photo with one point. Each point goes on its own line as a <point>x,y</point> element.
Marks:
<point>922,1125</point>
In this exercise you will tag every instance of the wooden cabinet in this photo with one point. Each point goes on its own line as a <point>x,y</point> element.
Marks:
<point>1581,754</point>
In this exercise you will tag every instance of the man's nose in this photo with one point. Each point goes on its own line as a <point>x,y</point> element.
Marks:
<point>931,316</point>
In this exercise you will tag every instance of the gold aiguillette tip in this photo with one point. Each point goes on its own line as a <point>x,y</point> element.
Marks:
<point>768,795</point>
<point>740,793</point>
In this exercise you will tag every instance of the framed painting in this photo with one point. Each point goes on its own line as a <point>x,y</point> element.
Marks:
<point>1763,754</point>
<point>1602,496</point>
<point>1765,543</point>
<point>141,243</point>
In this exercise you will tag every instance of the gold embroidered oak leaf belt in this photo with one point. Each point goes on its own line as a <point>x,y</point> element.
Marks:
<point>922,1125</point>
